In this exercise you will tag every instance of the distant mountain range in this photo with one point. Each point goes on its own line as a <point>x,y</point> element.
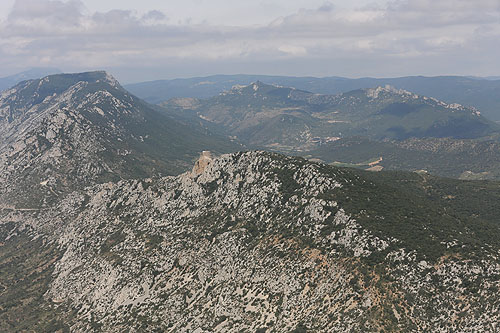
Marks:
<point>261,114</point>
<point>34,73</point>
<point>475,92</point>
<point>317,126</point>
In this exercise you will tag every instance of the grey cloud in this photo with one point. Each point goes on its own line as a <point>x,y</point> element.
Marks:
<point>28,15</point>
<point>56,33</point>
<point>154,15</point>
<point>421,13</point>
<point>327,7</point>
<point>445,5</point>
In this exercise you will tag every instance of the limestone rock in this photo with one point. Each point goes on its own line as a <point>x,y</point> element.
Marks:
<point>202,163</point>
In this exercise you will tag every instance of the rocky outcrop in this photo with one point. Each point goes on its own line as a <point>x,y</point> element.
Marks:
<point>201,164</point>
<point>254,242</point>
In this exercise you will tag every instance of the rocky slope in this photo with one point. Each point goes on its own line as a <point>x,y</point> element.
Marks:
<point>66,131</point>
<point>261,242</point>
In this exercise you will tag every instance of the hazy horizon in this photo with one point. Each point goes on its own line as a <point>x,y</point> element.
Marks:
<point>238,74</point>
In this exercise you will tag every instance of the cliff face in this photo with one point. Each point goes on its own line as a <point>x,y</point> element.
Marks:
<point>262,242</point>
<point>202,163</point>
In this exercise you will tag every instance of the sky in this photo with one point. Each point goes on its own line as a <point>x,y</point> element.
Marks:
<point>148,40</point>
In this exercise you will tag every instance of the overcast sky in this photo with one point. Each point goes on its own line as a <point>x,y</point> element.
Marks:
<point>145,40</point>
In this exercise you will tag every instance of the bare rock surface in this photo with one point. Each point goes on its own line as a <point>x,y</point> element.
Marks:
<point>251,242</point>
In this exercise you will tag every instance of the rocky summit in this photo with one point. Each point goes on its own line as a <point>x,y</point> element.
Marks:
<point>72,130</point>
<point>256,242</point>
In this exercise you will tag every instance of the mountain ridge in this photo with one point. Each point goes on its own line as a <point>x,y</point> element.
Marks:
<point>451,89</point>
<point>262,241</point>
<point>268,115</point>
<point>47,125</point>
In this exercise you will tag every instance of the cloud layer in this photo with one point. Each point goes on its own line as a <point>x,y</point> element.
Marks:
<point>399,38</point>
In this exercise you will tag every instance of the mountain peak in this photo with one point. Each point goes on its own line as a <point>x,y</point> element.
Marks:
<point>375,92</point>
<point>36,91</point>
<point>254,87</point>
<point>87,118</point>
<point>390,91</point>
<point>61,89</point>
<point>89,77</point>
<point>259,84</point>
<point>259,87</point>
<point>104,76</point>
